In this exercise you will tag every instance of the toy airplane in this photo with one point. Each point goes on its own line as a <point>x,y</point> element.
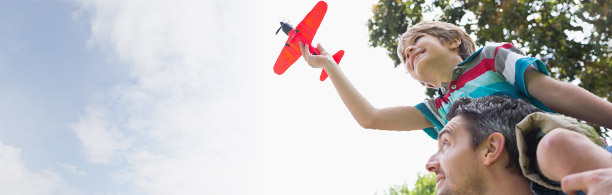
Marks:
<point>304,32</point>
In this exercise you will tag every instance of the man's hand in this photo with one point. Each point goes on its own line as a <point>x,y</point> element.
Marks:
<point>594,182</point>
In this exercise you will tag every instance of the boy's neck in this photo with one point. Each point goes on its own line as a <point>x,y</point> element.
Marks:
<point>446,72</point>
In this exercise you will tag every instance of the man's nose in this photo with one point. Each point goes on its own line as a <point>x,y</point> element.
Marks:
<point>432,164</point>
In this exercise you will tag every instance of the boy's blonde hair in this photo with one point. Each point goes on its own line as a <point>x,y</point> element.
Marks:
<point>442,30</point>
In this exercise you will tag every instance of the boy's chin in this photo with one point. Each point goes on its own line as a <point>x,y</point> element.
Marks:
<point>430,86</point>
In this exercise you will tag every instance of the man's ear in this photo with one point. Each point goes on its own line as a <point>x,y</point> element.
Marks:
<point>493,148</point>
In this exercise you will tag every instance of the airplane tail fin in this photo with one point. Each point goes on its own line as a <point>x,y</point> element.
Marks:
<point>337,57</point>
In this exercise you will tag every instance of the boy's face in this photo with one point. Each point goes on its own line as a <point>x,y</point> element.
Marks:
<point>426,57</point>
<point>456,164</point>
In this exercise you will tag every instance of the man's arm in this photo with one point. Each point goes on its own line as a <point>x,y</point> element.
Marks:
<point>393,118</point>
<point>592,182</point>
<point>568,99</point>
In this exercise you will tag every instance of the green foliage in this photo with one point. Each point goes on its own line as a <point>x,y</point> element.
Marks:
<point>571,37</point>
<point>425,185</point>
<point>398,190</point>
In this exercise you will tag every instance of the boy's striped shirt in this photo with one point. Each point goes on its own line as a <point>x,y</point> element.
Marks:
<point>492,70</point>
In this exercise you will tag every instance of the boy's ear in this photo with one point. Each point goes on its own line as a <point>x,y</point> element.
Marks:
<point>493,148</point>
<point>454,44</point>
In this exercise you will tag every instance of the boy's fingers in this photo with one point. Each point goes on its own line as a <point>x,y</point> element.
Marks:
<point>301,47</point>
<point>306,51</point>
<point>320,48</point>
<point>574,182</point>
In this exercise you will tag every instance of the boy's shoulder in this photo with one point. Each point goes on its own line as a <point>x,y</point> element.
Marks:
<point>491,50</point>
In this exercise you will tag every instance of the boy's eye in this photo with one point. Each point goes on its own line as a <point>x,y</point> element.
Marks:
<point>416,39</point>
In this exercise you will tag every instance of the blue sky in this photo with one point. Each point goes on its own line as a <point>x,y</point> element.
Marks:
<point>48,75</point>
<point>179,97</point>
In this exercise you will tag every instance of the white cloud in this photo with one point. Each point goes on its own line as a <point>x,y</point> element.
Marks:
<point>166,44</point>
<point>15,178</point>
<point>101,140</point>
<point>178,126</point>
<point>72,169</point>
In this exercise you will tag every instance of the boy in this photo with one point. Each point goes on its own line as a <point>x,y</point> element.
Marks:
<point>441,55</point>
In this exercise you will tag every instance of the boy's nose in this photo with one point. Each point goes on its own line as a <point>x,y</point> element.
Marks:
<point>411,49</point>
<point>432,164</point>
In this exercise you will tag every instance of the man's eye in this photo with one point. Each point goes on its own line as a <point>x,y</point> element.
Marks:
<point>445,145</point>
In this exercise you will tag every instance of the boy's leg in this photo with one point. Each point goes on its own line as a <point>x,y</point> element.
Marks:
<point>562,152</point>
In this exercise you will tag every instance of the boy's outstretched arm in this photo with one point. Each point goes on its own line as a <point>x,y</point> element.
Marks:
<point>568,99</point>
<point>369,117</point>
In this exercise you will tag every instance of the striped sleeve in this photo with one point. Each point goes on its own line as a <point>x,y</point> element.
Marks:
<point>511,63</point>
<point>433,116</point>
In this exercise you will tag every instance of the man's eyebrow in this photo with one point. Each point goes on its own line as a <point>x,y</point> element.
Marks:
<point>444,131</point>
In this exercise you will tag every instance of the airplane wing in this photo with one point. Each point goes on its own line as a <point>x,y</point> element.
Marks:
<point>310,24</point>
<point>287,57</point>
<point>306,31</point>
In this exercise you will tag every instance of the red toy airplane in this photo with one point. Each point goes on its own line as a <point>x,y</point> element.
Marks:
<point>304,32</point>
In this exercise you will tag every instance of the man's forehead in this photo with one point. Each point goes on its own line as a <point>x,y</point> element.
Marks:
<point>452,126</point>
<point>447,130</point>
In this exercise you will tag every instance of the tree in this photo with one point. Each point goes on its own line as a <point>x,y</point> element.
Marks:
<point>425,185</point>
<point>571,37</point>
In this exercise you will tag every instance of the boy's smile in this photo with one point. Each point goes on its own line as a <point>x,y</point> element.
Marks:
<point>415,56</point>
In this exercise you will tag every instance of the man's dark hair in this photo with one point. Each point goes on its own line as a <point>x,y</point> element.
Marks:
<point>490,114</point>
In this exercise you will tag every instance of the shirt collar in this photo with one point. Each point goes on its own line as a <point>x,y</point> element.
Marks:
<point>457,72</point>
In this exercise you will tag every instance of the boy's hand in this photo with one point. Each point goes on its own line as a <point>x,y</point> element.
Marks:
<point>323,60</point>
<point>592,182</point>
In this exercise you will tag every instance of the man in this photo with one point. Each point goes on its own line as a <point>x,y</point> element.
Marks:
<point>478,152</point>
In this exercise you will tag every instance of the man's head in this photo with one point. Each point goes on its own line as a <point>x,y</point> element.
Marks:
<point>439,41</point>
<point>478,141</point>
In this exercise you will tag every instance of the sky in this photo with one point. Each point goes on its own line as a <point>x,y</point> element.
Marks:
<point>179,97</point>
